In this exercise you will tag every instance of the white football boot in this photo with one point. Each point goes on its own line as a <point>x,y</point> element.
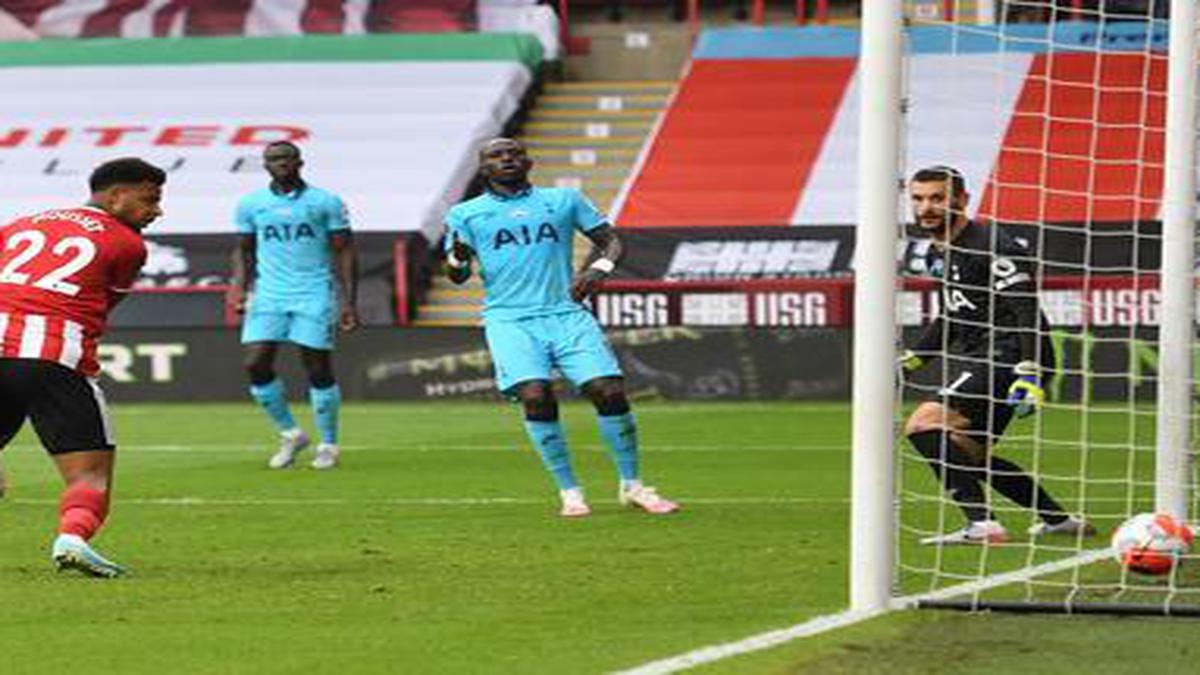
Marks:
<point>1071,525</point>
<point>327,457</point>
<point>633,493</point>
<point>291,443</point>
<point>71,552</point>
<point>980,532</point>
<point>573,504</point>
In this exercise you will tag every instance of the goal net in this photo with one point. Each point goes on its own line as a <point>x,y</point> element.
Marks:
<point>1055,113</point>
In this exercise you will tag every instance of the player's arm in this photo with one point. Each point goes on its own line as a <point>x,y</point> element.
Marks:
<point>345,262</point>
<point>1013,282</point>
<point>458,257</point>
<point>606,253</point>
<point>243,260</point>
<point>926,348</point>
<point>125,273</point>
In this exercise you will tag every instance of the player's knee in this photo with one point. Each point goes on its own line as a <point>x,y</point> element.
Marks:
<point>974,444</point>
<point>537,398</point>
<point>935,417</point>
<point>321,379</point>
<point>319,367</point>
<point>92,469</point>
<point>608,395</point>
<point>920,422</point>
<point>259,371</point>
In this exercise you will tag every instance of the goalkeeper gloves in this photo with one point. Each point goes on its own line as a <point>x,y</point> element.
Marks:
<point>909,361</point>
<point>1025,394</point>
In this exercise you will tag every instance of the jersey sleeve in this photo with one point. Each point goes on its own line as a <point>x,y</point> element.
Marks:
<point>1014,282</point>
<point>242,217</point>
<point>337,215</point>
<point>585,214</point>
<point>457,224</point>
<point>126,263</point>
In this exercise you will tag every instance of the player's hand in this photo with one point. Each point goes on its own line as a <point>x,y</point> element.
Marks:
<point>909,361</point>
<point>348,320</point>
<point>1025,394</point>
<point>460,253</point>
<point>237,298</point>
<point>586,284</point>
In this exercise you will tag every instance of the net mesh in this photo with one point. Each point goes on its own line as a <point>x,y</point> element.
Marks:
<point>1055,116</point>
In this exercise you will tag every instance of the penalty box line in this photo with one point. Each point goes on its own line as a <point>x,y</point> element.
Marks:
<point>829,622</point>
<point>247,448</point>
<point>416,501</point>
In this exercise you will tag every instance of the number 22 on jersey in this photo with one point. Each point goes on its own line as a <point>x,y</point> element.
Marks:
<point>31,264</point>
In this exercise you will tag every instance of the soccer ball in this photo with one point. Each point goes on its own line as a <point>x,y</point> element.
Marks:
<point>1151,543</point>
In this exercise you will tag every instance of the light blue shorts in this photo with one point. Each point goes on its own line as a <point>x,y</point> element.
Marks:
<point>306,322</point>
<point>533,349</point>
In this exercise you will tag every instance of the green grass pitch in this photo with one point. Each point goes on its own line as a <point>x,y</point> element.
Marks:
<point>436,549</point>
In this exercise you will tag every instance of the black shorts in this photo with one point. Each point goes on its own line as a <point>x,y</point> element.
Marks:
<point>67,408</point>
<point>978,389</point>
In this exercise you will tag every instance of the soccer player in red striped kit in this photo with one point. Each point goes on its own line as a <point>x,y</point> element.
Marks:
<point>61,273</point>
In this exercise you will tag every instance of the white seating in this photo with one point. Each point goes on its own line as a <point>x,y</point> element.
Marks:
<point>395,139</point>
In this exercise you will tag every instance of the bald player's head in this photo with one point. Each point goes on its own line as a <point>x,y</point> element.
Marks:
<point>504,162</point>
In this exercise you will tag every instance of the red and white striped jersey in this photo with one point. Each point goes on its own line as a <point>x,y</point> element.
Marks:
<point>61,272</point>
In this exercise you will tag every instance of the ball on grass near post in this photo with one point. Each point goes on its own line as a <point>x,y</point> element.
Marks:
<point>1151,543</point>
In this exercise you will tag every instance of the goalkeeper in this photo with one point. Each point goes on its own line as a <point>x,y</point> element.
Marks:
<point>988,332</point>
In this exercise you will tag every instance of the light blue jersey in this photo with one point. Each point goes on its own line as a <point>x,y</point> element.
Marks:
<point>291,231</point>
<point>524,247</point>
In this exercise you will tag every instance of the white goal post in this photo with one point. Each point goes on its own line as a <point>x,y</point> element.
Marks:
<point>882,211</point>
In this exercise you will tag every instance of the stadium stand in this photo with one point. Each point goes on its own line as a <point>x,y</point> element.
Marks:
<point>762,131</point>
<point>83,18</point>
<point>400,154</point>
<point>738,139</point>
<point>580,134</point>
<point>29,19</point>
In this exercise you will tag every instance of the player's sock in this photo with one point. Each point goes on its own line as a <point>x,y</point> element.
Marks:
<point>326,405</point>
<point>1010,480</point>
<point>82,510</point>
<point>273,399</point>
<point>962,483</point>
<point>551,444</point>
<point>620,433</point>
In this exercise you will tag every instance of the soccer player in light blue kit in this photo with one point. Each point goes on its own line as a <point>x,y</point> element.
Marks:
<point>534,321</point>
<point>295,277</point>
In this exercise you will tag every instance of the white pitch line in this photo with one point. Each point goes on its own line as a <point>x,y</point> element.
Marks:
<point>753,643</point>
<point>250,448</point>
<point>973,587</point>
<point>828,622</point>
<point>420,501</point>
<point>400,410</point>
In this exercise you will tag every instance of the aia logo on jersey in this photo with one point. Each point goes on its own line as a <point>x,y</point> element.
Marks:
<point>288,232</point>
<point>956,300</point>
<point>524,236</point>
